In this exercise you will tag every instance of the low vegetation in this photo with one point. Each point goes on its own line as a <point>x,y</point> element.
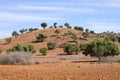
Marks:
<point>43,50</point>
<point>41,37</point>
<point>16,58</point>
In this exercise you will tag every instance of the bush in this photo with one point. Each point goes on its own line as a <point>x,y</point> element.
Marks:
<point>16,58</point>
<point>57,32</point>
<point>83,46</point>
<point>70,49</point>
<point>19,48</point>
<point>41,37</point>
<point>43,51</point>
<point>51,45</point>
<point>8,40</point>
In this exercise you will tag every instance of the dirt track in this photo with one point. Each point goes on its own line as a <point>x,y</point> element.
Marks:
<point>61,71</point>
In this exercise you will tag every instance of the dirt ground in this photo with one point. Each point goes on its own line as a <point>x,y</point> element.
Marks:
<point>64,70</point>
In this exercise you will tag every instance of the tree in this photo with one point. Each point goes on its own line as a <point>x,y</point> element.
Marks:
<point>100,49</point>
<point>86,30</point>
<point>92,32</point>
<point>67,25</point>
<point>8,40</point>
<point>14,33</point>
<point>31,29</point>
<point>78,28</point>
<point>55,25</point>
<point>41,37</point>
<point>57,31</point>
<point>70,49</point>
<point>51,45</point>
<point>22,31</point>
<point>44,25</point>
<point>43,51</point>
<point>112,38</point>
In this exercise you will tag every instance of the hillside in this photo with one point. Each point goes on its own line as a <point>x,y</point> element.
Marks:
<point>30,38</point>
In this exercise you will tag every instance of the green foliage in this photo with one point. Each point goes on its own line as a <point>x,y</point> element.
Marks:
<point>74,37</point>
<point>21,48</point>
<point>55,25</point>
<point>83,47</point>
<point>112,38</point>
<point>51,45</point>
<point>15,33</point>
<point>43,51</point>
<point>1,50</point>
<point>22,31</point>
<point>57,31</point>
<point>78,28</point>
<point>86,30</point>
<point>41,37</point>
<point>8,40</point>
<point>92,32</point>
<point>67,25</point>
<point>100,48</point>
<point>44,25</point>
<point>70,49</point>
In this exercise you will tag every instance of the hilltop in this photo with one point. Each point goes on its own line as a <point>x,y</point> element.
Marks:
<point>30,38</point>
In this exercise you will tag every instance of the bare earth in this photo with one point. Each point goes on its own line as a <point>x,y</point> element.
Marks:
<point>65,70</point>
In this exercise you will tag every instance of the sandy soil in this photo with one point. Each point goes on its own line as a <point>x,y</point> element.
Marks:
<point>66,70</point>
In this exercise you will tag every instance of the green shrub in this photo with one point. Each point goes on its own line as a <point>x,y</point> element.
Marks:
<point>70,49</point>
<point>57,31</point>
<point>41,37</point>
<point>51,45</point>
<point>16,58</point>
<point>19,48</point>
<point>78,28</point>
<point>43,51</point>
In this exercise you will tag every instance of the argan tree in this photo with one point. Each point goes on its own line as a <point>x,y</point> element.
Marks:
<point>100,49</point>
<point>44,25</point>
<point>15,33</point>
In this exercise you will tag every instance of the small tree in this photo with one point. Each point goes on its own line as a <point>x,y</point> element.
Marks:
<point>78,28</point>
<point>55,25</point>
<point>8,40</point>
<point>67,25</point>
<point>57,32</point>
<point>100,49</point>
<point>44,25</point>
<point>31,29</point>
<point>112,38</point>
<point>51,45</point>
<point>92,32</point>
<point>14,33</point>
<point>22,31</point>
<point>86,30</point>
<point>41,37</point>
<point>43,51</point>
<point>74,37</point>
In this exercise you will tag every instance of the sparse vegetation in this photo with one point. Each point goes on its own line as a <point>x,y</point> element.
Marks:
<point>51,45</point>
<point>43,51</point>
<point>1,50</point>
<point>16,58</point>
<point>57,31</point>
<point>41,37</point>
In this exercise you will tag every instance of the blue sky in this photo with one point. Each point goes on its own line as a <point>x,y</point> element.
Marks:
<point>98,15</point>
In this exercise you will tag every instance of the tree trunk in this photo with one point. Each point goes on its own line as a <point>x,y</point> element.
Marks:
<point>99,59</point>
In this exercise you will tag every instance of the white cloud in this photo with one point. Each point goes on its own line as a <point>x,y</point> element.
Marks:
<point>104,26</point>
<point>12,17</point>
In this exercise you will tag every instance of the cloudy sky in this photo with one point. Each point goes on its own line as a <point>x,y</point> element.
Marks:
<point>98,15</point>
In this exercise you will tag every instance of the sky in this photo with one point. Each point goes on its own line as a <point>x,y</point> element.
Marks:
<point>97,15</point>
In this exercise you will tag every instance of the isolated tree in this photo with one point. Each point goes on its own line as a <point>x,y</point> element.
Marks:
<point>44,25</point>
<point>8,40</point>
<point>22,31</point>
<point>55,25</point>
<point>67,25</point>
<point>92,32</point>
<point>86,30</point>
<point>100,49</point>
<point>41,37</point>
<point>57,31</point>
<point>14,33</point>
